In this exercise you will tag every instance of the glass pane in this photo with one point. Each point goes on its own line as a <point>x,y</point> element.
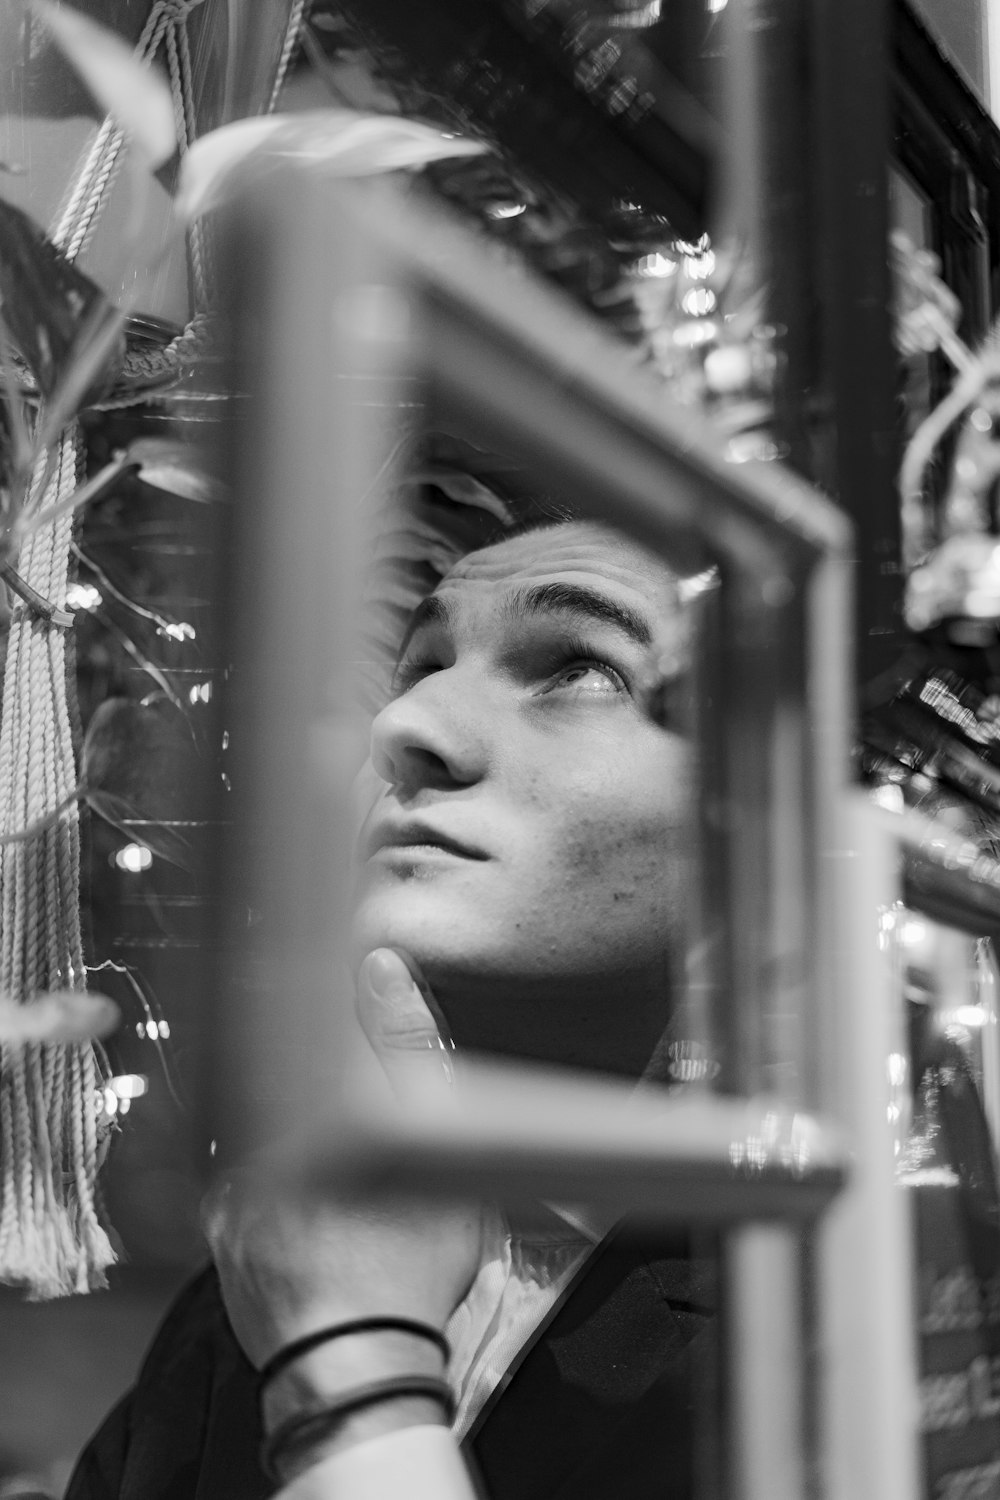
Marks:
<point>944,1112</point>
<point>960,28</point>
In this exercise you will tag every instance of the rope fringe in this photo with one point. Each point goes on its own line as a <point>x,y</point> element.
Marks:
<point>51,1238</point>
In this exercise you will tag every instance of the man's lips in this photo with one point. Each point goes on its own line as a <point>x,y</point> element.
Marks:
<point>417,836</point>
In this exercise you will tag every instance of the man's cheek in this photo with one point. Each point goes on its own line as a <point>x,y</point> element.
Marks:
<point>595,849</point>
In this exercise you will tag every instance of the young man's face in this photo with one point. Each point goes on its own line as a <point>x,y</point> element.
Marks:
<point>531,833</point>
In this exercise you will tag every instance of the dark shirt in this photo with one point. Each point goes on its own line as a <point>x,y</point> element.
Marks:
<point>601,1401</point>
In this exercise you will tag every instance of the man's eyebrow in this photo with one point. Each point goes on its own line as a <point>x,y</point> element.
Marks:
<point>583,603</point>
<point>542,599</point>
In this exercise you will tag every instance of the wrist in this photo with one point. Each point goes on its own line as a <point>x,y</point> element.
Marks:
<point>388,1416</point>
<point>344,1363</point>
<point>308,1410</point>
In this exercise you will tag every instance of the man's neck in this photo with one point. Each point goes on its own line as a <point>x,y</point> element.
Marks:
<point>609,1024</point>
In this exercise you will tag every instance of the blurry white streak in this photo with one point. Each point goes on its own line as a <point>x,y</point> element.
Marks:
<point>61,1016</point>
<point>342,141</point>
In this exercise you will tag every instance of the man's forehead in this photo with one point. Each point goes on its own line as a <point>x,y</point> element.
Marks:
<point>575,551</point>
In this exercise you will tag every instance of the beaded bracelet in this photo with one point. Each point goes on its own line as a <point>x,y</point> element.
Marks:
<point>298,1347</point>
<point>305,1428</point>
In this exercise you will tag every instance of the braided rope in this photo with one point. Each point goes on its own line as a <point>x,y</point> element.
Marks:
<point>101,165</point>
<point>182,88</point>
<point>51,1239</point>
<point>94,181</point>
<point>174,73</point>
<point>288,46</point>
<point>77,220</point>
<point>165,26</point>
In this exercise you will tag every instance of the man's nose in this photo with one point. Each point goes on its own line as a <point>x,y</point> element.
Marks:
<point>435,734</point>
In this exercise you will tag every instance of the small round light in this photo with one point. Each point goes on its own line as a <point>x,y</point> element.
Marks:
<point>83,596</point>
<point>655,265</point>
<point>913,932</point>
<point>129,1085</point>
<point>134,858</point>
<point>699,301</point>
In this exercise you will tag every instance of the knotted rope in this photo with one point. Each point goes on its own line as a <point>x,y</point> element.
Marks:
<point>51,1239</point>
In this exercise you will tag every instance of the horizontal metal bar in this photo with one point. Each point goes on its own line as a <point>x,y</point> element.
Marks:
<point>947,875</point>
<point>639,1151</point>
<point>583,365</point>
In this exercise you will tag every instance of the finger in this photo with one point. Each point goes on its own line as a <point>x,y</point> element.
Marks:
<point>396,1013</point>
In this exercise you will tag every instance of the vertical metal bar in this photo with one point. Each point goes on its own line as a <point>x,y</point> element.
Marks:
<point>768,739</point>
<point>851,72</point>
<point>828,707</point>
<point>805,193</point>
<point>709,978</point>
<point>766,211</point>
<point>766,215</point>
<point>765,1355</point>
<point>306,452</point>
<point>807,88</point>
<point>749,720</point>
<point>865,1261</point>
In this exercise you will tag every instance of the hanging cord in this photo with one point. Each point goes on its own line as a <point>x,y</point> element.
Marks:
<point>292,33</point>
<point>78,218</point>
<point>166,27</point>
<point>51,1238</point>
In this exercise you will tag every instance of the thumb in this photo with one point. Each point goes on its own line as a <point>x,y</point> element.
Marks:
<point>406,1030</point>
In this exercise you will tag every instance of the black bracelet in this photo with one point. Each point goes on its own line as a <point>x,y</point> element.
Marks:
<point>312,1426</point>
<point>298,1347</point>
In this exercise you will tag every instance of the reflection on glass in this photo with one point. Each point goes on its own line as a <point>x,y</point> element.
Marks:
<point>910,216</point>
<point>945,1095</point>
<point>948,981</point>
<point>961,28</point>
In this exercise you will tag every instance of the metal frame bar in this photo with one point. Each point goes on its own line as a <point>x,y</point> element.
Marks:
<point>408,296</point>
<point>518,368</point>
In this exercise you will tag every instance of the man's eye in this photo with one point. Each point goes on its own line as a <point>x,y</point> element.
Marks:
<point>408,674</point>
<point>588,678</point>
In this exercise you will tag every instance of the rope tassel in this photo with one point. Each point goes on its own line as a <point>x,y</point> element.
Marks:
<point>51,1238</point>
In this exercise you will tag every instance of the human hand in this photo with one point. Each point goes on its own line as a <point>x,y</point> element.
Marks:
<point>293,1258</point>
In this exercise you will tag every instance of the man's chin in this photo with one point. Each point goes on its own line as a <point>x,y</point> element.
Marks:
<point>436,942</point>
